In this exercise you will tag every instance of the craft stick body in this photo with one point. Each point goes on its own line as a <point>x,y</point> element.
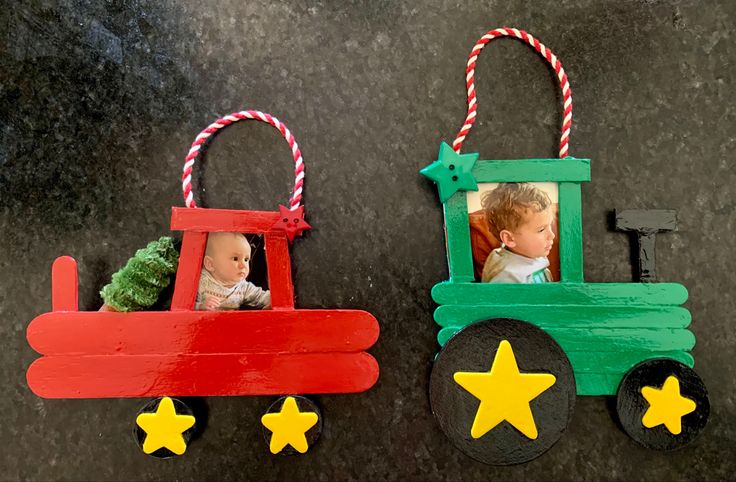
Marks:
<point>621,339</point>
<point>183,352</point>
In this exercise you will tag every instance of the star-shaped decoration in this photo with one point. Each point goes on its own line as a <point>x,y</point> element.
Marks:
<point>452,172</point>
<point>164,428</point>
<point>289,426</point>
<point>504,393</point>
<point>666,406</point>
<point>292,222</point>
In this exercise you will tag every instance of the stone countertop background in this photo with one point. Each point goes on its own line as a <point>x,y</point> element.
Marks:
<point>99,102</point>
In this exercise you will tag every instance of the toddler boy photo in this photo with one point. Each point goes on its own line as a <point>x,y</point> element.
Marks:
<point>520,216</point>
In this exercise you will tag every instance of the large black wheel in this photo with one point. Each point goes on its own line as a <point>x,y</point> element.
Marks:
<point>163,427</point>
<point>502,390</point>
<point>292,425</point>
<point>662,404</point>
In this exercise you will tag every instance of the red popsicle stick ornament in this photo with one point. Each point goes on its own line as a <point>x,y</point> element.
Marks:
<point>185,352</point>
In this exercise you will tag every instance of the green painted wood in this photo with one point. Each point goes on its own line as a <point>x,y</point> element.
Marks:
<point>457,227</point>
<point>446,333</point>
<point>533,170</point>
<point>610,339</point>
<point>599,373</point>
<point>621,362</point>
<point>590,294</point>
<point>569,316</point>
<point>571,233</point>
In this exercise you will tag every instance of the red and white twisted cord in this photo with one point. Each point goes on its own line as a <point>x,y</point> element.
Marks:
<point>203,136</point>
<point>544,52</point>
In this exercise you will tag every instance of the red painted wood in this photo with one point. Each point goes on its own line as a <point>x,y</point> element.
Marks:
<point>183,332</point>
<point>279,272</point>
<point>64,284</point>
<point>227,220</point>
<point>200,375</point>
<point>188,271</point>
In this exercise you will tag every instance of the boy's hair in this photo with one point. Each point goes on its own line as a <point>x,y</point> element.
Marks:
<point>506,205</point>
<point>211,237</point>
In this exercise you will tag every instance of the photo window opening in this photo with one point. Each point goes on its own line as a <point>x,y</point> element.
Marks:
<point>483,242</point>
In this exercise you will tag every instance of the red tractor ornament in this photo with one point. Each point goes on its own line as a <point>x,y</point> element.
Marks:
<point>187,353</point>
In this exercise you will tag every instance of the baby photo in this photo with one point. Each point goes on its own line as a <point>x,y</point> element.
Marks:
<point>223,283</point>
<point>513,232</point>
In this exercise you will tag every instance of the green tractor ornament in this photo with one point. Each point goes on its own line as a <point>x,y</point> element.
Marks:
<point>514,356</point>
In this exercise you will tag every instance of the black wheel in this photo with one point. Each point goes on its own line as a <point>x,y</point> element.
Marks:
<point>291,425</point>
<point>163,427</point>
<point>662,404</point>
<point>523,407</point>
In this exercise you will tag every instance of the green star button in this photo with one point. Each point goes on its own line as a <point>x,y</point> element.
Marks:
<point>452,172</point>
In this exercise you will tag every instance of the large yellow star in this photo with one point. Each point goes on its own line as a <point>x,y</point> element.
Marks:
<point>289,426</point>
<point>504,393</point>
<point>164,428</point>
<point>666,406</point>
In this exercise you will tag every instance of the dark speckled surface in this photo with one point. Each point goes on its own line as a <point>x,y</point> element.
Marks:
<point>100,100</point>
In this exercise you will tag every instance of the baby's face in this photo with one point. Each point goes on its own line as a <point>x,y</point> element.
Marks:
<point>534,238</point>
<point>230,257</point>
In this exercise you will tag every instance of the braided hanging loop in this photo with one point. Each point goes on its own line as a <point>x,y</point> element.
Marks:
<point>544,52</point>
<point>296,196</point>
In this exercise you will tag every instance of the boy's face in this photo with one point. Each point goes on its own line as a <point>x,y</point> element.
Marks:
<point>534,238</point>
<point>228,260</point>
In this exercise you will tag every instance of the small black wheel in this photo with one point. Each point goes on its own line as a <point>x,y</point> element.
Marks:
<point>526,387</point>
<point>163,427</point>
<point>662,404</point>
<point>292,425</point>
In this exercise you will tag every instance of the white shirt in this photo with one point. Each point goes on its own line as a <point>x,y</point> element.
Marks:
<point>505,266</point>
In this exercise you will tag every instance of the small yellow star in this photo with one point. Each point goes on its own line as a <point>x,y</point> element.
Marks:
<point>289,426</point>
<point>504,393</point>
<point>164,428</point>
<point>666,406</point>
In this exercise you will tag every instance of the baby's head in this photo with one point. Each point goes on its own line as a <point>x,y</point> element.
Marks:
<point>520,216</point>
<point>227,257</point>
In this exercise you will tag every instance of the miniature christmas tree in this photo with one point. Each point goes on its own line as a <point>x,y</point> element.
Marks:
<point>138,285</point>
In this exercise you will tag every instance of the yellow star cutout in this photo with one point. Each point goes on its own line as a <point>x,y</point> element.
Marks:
<point>289,426</point>
<point>504,393</point>
<point>164,428</point>
<point>666,406</point>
